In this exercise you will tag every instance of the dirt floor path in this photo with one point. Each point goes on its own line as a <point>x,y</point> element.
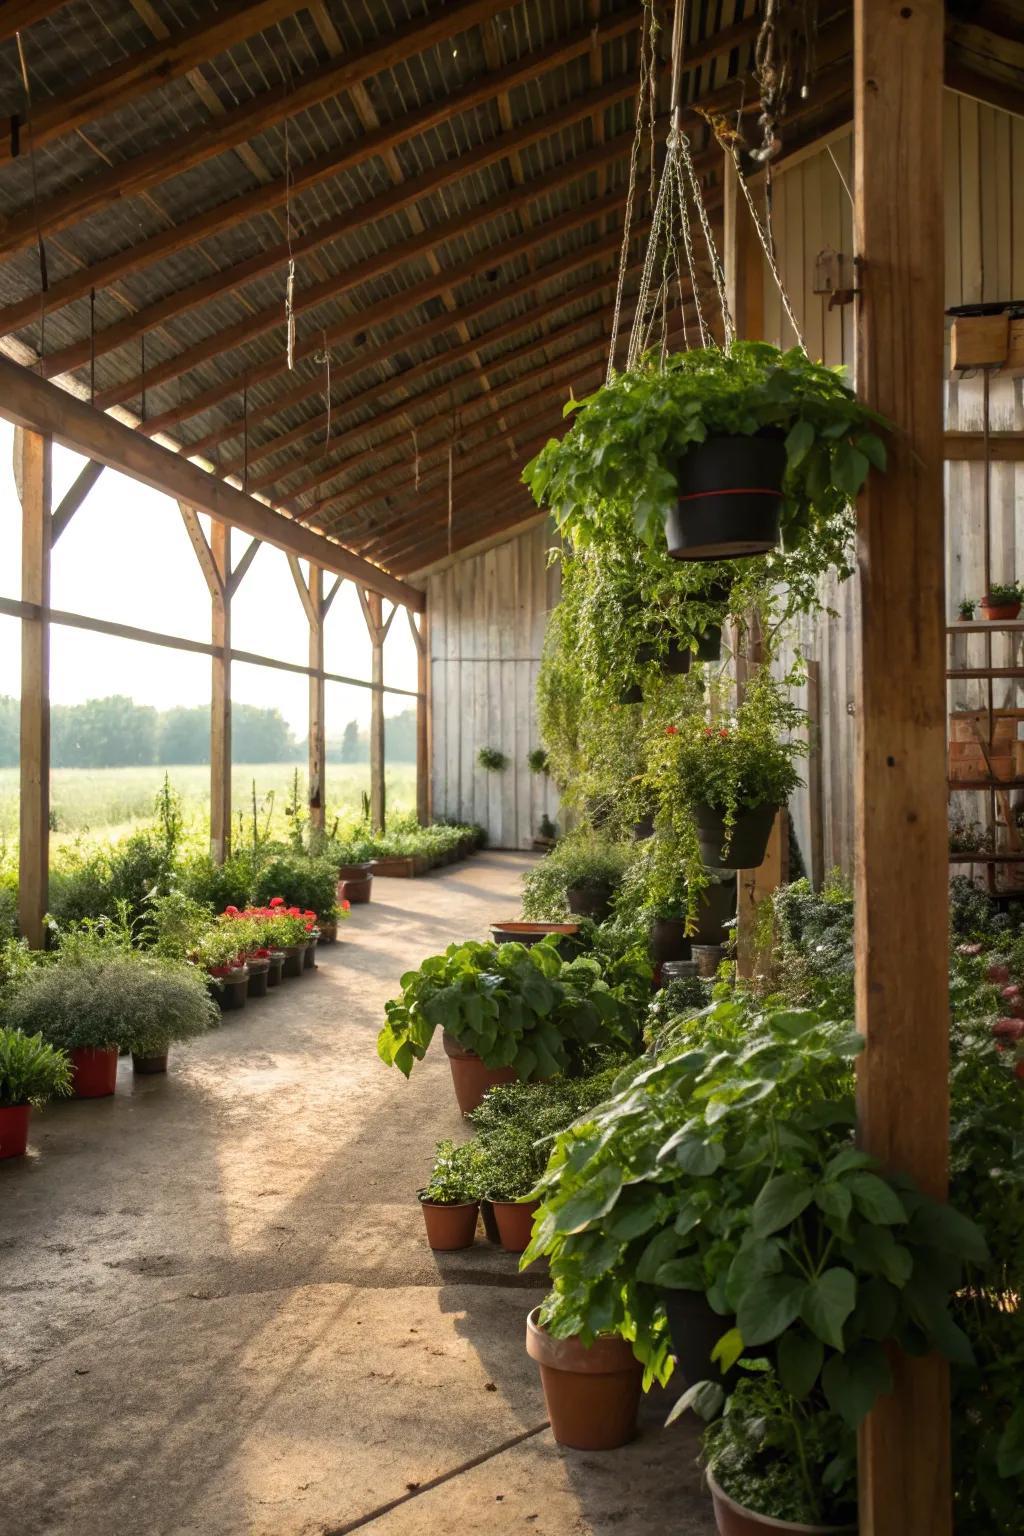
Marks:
<point>218,1315</point>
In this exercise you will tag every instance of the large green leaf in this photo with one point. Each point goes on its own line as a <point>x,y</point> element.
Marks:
<point>800,1357</point>
<point>827,1303</point>
<point>853,1381</point>
<point>781,1201</point>
<point>593,1201</point>
<point>769,1307</point>
<point>704,1397</point>
<point>875,1199</point>
<point>699,1157</point>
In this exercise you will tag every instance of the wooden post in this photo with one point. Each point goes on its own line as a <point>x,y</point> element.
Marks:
<point>743,259</point>
<point>421,636</point>
<point>902,946</point>
<point>215,562</point>
<point>316,605</point>
<point>373,612</point>
<point>815,801</point>
<point>32,475</point>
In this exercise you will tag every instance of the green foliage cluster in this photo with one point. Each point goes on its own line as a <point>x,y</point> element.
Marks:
<point>31,1071</point>
<point>629,439</point>
<point>112,997</point>
<point>580,861</point>
<point>514,1006</point>
<point>457,1175</point>
<point>492,759</point>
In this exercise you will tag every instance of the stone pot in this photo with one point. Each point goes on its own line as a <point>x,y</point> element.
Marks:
<point>471,1079</point>
<point>592,1395</point>
<point>149,1066</point>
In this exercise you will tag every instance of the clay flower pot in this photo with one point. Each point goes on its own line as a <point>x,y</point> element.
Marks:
<point>94,1071</point>
<point>995,613</point>
<point>518,931</point>
<point>355,883</point>
<point>515,1223</point>
<point>592,1395</point>
<point>14,1120</point>
<point>449,1226</point>
<point>733,1520</point>
<point>149,1066</point>
<point>470,1077</point>
<point>277,958</point>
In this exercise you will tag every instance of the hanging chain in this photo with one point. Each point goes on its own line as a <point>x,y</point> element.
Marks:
<point>768,246</point>
<point>644,102</point>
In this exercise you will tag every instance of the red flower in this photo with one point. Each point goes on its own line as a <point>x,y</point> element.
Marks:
<point>277,901</point>
<point>231,911</point>
<point>671,730</point>
<point>724,734</point>
<point>708,731</point>
<point>346,906</point>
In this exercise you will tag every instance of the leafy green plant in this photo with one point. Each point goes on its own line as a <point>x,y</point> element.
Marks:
<point>491,759</point>
<point>123,998</point>
<point>628,439</point>
<point>537,761</point>
<point>176,925</point>
<point>579,860</point>
<point>456,1176</point>
<point>508,1165</point>
<point>514,1006</point>
<point>726,1167</point>
<point>966,608</point>
<point>782,1456</point>
<point>1003,594</point>
<point>31,1071</point>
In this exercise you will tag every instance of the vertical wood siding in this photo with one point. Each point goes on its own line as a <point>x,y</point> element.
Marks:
<point>983,151</point>
<point>488,613</point>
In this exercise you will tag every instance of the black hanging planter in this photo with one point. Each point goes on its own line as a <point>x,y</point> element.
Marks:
<point>730,499</point>
<point>749,836</point>
<point>709,646</point>
<point>677,659</point>
<point>633,694</point>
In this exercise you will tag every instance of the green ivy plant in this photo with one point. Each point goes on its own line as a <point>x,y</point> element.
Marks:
<point>515,1006</point>
<point>629,438</point>
<point>726,1167</point>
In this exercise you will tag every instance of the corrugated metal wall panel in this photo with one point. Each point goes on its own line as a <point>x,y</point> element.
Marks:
<point>488,614</point>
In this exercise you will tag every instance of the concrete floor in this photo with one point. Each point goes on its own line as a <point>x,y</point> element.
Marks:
<point>218,1315</point>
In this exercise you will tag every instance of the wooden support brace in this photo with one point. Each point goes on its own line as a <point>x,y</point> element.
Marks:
<point>238,574</point>
<point>215,563</point>
<point>73,499</point>
<point>32,475</point>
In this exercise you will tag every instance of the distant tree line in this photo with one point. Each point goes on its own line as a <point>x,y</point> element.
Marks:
<point>116,732</point>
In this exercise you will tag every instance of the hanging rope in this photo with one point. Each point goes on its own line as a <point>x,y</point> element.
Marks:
<point>644,105</point>
<point>44,282</point>
<point>289,291</point>
<point>416,457</point>
<point>784,52</point>
<point>324,357</point>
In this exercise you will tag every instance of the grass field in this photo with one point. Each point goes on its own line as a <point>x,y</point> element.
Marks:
<point>96,804</point>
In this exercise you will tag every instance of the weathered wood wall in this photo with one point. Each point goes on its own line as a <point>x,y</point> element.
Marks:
<point>983,153</point>
<point>487,617</point>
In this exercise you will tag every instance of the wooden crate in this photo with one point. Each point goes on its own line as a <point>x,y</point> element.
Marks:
<point>1005,751</point>
<point>979,341</point>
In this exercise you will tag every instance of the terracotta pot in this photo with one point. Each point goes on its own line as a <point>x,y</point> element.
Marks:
<point>14,1120</point>
<point>749,840</point>
<point>93,1071</point>
<point>516,932</point>
<point>733,1520</point>
<point>470,1077</point>
<point>515,1223</point>
<point>277,959</point>
<point>490,1222</point>
<point>259,975</point>
<point>294,960</point>
<point>354,871</point>
<point>356,890</point>
<point>449,1226</point>
<point>149,1066</point>
<point>994,613</point>
<point>589,901</point>
<point>730,498</point>
<point>233,989</point>
<point>592,1395</point>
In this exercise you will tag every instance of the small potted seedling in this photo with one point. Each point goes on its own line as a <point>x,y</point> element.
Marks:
<point>967,607</point>
<point>451,1200</point>
<point>1001,602</point>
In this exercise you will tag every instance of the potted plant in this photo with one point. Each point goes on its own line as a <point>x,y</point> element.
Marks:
<point>591,1385</point>
<point>172,1003</point>
<point>776,1462</point>
<point>507,1011</point>
<point>451,1200</point>
<point>1001,601</point>
<point>537,761</point>
<point>31,1072</point>
<point>220,956</point>
<point>722,778</point>
<point>724,450</point>
<point>966,610</point>
<point>491,759</point>
<point>580,876</point>
<point>352,858</point>
<point>507,1175</point>
<point>291,930</point>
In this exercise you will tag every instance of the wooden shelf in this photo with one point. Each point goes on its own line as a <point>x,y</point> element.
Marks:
<point>954,674</point>
<point>986,858</point>
<point>986,627</point>
<point>986,783</point>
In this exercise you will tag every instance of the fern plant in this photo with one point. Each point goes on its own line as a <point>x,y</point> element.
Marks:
<point>491,759</point>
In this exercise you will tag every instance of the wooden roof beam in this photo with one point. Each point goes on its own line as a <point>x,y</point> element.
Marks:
<point>37,406</point>
<point>16,15</point>
<point>502,517</point>
<point>128,79</point>
<point>253,325</point>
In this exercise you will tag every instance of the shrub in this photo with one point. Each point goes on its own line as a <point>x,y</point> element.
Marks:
<point>311,884</point>
<point>30,1070</point>
<point>125,999</point>
<point>456,1175</point>
<point>491,759</point>
<point>577,861</point>
<point>217,885</point>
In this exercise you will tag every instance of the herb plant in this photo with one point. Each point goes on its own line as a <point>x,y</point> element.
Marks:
<point>1003,594</point>
<point>455,1178</point>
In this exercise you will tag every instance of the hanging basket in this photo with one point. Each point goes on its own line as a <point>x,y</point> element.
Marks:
<point>749,841</point>
<point>709,646</point>
<point>730,499</point>
<point>677,659</point>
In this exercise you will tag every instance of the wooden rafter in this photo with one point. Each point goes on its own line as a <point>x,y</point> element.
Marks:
<point>248,121</point>
<point>32,403</point>
<point>251,326</point>
<point>16,15</point>
<point>128,79</point>
<point>73,498</point>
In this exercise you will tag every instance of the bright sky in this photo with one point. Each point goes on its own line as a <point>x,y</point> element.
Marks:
<point>125,556</point>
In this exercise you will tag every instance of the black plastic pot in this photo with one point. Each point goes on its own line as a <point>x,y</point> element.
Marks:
<point>668,940</point>
<point>677,659</point>
<point>709,646</point>
<point>643,829</point>
<point>716,906</point>
<point>634,694</point>
<point>490,1222</point>
<point>749,836</point>
<point>695,1330</point>
<point>259,975</point>
<point>589,901</point>
<point>276,967</point>
<point>233,989</point>
<point>730,499</point>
